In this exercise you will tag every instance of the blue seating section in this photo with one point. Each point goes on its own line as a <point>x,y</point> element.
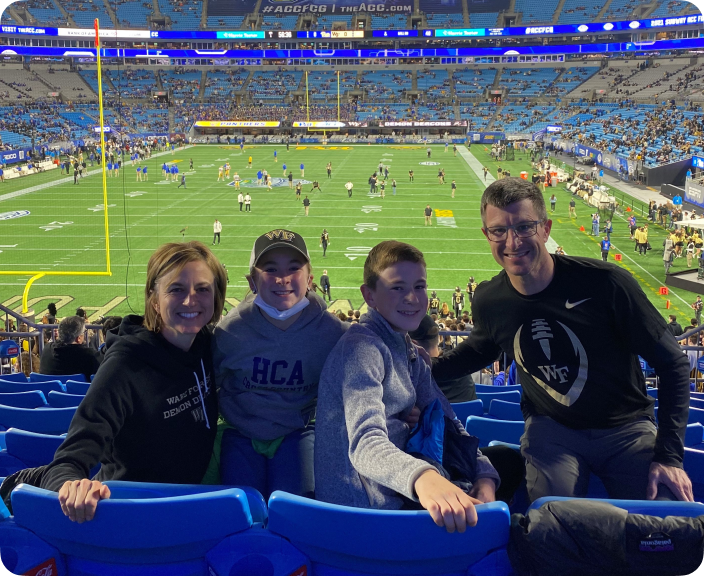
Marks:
<point>74,387</point>
<point>488,429</point>
<point>45,387</point>
<point>386,85</point>
<point>326,22</point>
<point>30,399</point>
<point>464,410</point>
<point>132,13</point>
<point>472,82</point>
<point>445,20</point>
<point>35,377</point>
<point>323,84</point>
<point>184,14</point>
<point>670,8</point>
<point>84,13</point>
<point>537,12</point>
<point>133,82</point>
<point>502,410</point>
<point>620,9</point>
<point>579,12</point>
<point>184,84</point>
<point>62,400</point>
<point>389,22</point>
<point>483,19</point>
<point>487,397</point>
<point>42,421</point>
<point>18,377</point>
<point>273,85</point>
<point>278,22</point>
<point>434,83</point>
<point>229,22</point>
<point>46,13</point>
<point>30,448</point>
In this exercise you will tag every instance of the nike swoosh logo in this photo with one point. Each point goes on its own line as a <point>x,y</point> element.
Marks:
<point>569,305</point>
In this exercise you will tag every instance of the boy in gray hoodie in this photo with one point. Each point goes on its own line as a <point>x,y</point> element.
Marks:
<point>370,382</point>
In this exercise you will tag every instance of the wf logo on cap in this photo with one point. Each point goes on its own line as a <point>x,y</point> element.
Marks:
<point>280,235</point>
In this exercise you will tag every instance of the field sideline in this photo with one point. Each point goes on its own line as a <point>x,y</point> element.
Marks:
<point>48,223</point>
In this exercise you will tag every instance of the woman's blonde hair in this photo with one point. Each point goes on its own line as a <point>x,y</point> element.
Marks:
<point>172,257</point>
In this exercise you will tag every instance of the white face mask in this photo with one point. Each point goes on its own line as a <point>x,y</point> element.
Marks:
<point>280,314</point>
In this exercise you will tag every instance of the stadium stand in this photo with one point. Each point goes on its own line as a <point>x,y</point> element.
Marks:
<point>220,84</point>
<point>434,83</point>
<point>132,82</point>
<point>229,22</point>
<point>445,20</point>
<point>336,22</point>
<point>132,13</point>
<point>528,82</point>
<point>619,10</point>
<point>385,85</point>
<point>323,84</point>
<point>537,12</point>
<point>279,22</point>
<point>185,84</point>
<point>183,14</point>
<point>483,19</point>
<point>670,8</point>
<point>389,21</point>
<point>273,85</point>
<point>578,12</point>
<point>45,12</point>
<point>472,82</point>
<point>84,13</point>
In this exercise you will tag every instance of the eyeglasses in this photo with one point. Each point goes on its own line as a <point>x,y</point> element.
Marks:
<point>522,230</point>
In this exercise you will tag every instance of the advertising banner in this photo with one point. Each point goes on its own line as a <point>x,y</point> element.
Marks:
<point>14,156</point>
<point>237,124</point>
<point>336,6</point>
<point>421,124</point>
<point>487,137</point>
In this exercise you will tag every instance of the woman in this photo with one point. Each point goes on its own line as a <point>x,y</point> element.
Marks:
<point>444,310</point>
<point>143,418</point>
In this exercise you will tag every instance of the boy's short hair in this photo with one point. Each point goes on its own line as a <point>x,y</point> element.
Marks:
<point>386,254</point>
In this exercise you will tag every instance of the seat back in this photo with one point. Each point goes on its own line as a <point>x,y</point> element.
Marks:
<point>694,467</point>
<point>465,409</point>
<point>695,415</point>
<point>488,429</point>
<point>33,399</point>
<point>502,410</point>
<point>149,531</point>
<point>74,387</point>
<point>47,421</point>
<point>486,388</point>
<point>32,448</point>
<point>45,387</point>
<point>62,400</point>
<point>694,434</point>
<point>35,377</point>
<point>364,541</point>
<point>657,508</point>
<point>18,377</point>
<point>514,396</point>
<point>696,403</point>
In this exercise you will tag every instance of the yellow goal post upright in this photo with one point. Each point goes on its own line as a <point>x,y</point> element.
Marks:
<point>35,274</point>
<point>327,128</point>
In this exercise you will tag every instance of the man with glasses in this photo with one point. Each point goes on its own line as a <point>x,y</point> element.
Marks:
<point>575,328</point>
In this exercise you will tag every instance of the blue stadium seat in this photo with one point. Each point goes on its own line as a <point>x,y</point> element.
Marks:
<point>33,399</point>
<point>648,507</point>
<point>61,400</point>
<point>44,387</point>
<point>502,410</point>
<point>47,421</point>
<point>694,467</point>
<point>18,377</point>
<point>342,540</point>
<point>465,409</point>
<point>166,535</point>
<point>73,387</point>
<point>484,388</point>
<point>695,415</point>
<point>696,403</point>
<point>694,434</point>
<point>34,377</point>
<point>488,429</point>
<point>32,448</point>
<point>514,396</point>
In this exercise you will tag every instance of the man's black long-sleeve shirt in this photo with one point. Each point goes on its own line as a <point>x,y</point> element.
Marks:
<point>576,345</point>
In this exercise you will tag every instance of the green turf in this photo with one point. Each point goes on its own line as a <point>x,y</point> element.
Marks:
<point>147,214</point>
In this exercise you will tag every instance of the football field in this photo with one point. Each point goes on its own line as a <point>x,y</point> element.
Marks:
<point>48,223</point>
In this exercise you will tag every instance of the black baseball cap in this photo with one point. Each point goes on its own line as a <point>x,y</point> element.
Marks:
<point>277,239</point>
<point>427,330</point>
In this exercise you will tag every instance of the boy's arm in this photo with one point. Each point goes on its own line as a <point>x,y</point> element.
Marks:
<point>371,452</point>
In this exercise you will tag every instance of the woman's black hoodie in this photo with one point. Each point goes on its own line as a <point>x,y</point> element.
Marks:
<point>142,418</point>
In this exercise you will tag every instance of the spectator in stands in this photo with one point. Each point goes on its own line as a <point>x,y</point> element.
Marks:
<point>268,357</point>
<point>69,355</point>
<point>51,316</point>
<point>427,337</point>
<point>151,363</point>
<point>371,380</point>
<point>596,406</point>
<point>673,326</point>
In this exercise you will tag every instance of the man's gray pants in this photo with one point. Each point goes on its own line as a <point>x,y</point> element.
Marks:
<point>559,460</point>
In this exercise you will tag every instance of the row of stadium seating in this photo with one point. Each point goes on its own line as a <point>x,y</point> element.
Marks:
<point>188,14</point>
